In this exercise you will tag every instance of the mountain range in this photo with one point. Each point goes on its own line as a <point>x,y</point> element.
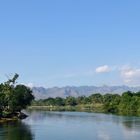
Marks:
<point>42,92</point>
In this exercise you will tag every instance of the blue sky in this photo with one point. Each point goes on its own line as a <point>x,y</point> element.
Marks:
<point>70,42</point>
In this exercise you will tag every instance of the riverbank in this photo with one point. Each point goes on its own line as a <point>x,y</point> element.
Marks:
<point>13,117</point>
<point>82,108</point>
<point>96,108</point>
<point>5,120</point>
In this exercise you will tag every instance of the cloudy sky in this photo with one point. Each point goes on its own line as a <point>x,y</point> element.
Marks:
<point>73,42</point>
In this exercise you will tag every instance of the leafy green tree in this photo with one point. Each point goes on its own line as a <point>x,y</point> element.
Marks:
<point>70,101</point>
<point>96,98</point>
<point>20,98</point>
<point>137,94</point>
<point>14,98</point>
<point>81,100</point>
<point>49,102</point>
<point>128,93</point>
<point>124,106</point>
<point>59,101</point>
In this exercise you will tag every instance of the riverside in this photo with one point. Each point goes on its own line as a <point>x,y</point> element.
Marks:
<point>128,103</point>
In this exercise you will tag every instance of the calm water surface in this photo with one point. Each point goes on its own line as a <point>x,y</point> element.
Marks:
<point>43,125</point>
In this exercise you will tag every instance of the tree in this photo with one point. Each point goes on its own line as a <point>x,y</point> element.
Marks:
<point>20,98</point>
<point>14,98</point>
<point>96,98</point>
<point>59,101</point>
<point>70,101</point>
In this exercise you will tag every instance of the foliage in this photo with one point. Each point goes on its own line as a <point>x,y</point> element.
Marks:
<point>127,103</point>
<point>13,98</point>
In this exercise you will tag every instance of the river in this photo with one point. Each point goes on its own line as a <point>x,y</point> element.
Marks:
<point>43,125</point>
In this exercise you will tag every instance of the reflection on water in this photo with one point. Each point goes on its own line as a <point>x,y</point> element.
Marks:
<point>43,125</point>
<point>132,124</point>
<point>15,131</point>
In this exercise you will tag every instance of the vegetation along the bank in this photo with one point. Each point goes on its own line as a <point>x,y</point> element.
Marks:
<point>127,103</point>
<point>14,98</point>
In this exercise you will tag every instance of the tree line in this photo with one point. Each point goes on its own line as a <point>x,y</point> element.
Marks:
<point>128,102</point>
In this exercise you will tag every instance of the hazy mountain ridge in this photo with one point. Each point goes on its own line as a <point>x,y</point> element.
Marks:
<point>42,93</point>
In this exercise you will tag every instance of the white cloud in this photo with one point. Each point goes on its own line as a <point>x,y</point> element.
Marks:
<point>103,69</point>
<point>130,134</point>
<point>31,85</point>
<point>130,75</point>
<point>103,135</point>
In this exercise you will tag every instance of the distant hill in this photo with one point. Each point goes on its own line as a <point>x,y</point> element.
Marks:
<point>42,93</point>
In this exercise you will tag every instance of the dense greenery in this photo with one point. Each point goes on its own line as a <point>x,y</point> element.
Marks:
<point>126,103</point>
<point>13,98</point>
